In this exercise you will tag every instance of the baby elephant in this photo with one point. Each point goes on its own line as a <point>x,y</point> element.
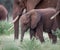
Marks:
<point>39,20</point>
<point>3,13</point>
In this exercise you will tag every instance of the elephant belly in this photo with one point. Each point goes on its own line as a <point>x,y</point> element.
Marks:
<point>47,27</point>
<point>47,24</point>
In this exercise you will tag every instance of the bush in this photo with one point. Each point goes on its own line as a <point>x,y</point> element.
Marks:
<point>9,45</point>
<point>57,32</point>
<point>4,26</point>
<point>30,45</point>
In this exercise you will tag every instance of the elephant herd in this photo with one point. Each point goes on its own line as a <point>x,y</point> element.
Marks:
<point>39,20</point>
<point>37,17</point>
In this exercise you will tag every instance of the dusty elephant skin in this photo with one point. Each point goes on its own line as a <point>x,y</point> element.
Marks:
<point>39,21</point>
<point>3,13</point>
<point>19,5</point>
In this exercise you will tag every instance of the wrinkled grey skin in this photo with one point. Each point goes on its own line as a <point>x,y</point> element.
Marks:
<point>19,5</point>
<point>37,18</point>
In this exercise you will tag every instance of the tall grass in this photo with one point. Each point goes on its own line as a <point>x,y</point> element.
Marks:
<point>9,45</point>
<point>30,45</point>
<point>57,32</point>
<point>36,45</point>
<point>4,26</point>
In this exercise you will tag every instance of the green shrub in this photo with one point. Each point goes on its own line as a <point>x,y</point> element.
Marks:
<point>9,45</point>
<point>57,32</point>
<point>4,26</point>
<point>30,45</point>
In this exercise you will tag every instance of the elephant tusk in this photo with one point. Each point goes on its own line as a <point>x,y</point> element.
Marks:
<point>55,15</point>
<point>10,28</point>
<point>14,20</point>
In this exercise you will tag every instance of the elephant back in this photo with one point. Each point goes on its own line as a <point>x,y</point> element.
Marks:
<point>3,12</point>
<point>47,3</point>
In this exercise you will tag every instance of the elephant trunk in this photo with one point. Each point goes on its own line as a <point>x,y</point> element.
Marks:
<point>22,34</point>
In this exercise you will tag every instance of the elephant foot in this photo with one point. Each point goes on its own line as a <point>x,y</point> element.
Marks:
<point>16,37</point>
<point>50,36</point>
<point>42,41</point>
<point>32,38</point>
<point>41,38</point>
<point>21,40</point>
<point>54,39</point>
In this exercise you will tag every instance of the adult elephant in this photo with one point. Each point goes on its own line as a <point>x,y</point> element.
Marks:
<point>39,21</point>
<point>3,13</point>
<point>19,6</point>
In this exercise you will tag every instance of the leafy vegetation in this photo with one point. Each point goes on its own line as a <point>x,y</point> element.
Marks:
<point>30,45</point>
<point>9,44</point>
<point>57,32</point>
<point>4,26</point>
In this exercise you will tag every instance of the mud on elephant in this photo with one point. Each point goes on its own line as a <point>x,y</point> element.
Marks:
<point>39,20</point>
<point>3,13</point>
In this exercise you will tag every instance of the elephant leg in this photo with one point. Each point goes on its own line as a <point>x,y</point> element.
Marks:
<point>50,36</point>
<point>22,35</point>
<point>7,18</point>
<point>16,29</point>
<point>39,33</point>
<point>53,37</point>
<point>32,33</point>
<point>23,30</point>
<point>54,27</point>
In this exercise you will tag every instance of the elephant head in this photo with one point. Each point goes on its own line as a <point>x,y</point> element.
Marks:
<point>18,7</point>
<point>29,20</point>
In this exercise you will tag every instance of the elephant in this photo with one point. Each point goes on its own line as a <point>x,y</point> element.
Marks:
<point>20,5</point>
<point>3,13</point>
<point>39,21</point>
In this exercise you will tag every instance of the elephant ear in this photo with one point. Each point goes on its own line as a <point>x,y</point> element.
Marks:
<point>25,18</point>
<point>35,18</point>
